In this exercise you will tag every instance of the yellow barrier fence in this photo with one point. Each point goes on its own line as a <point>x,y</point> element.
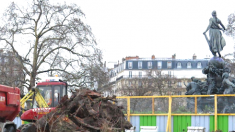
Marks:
<point>197,100</point>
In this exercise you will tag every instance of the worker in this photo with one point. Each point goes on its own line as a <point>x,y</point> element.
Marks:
<point>48,98</point>
<point>56,98</point>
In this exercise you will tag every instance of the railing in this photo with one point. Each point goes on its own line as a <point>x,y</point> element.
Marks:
<point>144,76</point>
<point>203,105</point>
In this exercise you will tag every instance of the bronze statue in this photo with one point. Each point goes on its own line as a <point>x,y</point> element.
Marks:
<point>193,88</point>
<point>216,42</point>
<point>217,72</point>
<point>228,87</point>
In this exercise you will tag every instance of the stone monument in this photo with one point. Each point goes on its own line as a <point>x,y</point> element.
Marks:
<point>217,72</point>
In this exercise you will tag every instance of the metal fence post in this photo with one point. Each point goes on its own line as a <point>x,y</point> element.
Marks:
<point>168,127</point>
<point>215,97</point>
<point>152,105</point>
<point>128,108</point>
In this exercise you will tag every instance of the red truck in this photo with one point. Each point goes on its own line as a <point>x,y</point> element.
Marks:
<point>9,107</point>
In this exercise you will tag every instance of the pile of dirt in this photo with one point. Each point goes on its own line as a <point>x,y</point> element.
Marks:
<point>84,111</point>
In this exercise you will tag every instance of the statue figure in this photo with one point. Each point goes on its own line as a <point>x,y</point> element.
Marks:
<point>228,87</point>
<point>193,88</point>
<point>211,75</point>
<point>216,42</point>
<point>194,79</point>
<point>204,87</point>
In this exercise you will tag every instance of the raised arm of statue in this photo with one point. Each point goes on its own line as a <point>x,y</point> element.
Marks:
<point>222,25</point>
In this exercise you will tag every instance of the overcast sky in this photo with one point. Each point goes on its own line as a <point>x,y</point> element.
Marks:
<point>151,27</point>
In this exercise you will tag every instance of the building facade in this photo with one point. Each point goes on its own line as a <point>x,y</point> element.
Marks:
<point>154,74</point>
<point>11,72</point>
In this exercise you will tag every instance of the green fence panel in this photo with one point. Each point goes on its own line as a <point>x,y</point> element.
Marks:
<point>148,121</point>
<point>222,123</point>
<point>212,124</point>
<point>181,123</point>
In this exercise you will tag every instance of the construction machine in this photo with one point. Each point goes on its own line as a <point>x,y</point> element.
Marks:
<point>47,95</point>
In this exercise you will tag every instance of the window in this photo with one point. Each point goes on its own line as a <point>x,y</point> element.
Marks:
<point>130,74</point>
<point>169,83</point>
<point>149,65</point>
<point>57,95</point>
<point>169,64</point>
<point>179,65</point>
<point>199,65</point>
<point>140,74</point>
<point>129,83</point>
<point>169,73</point>
<point>46,92</point>
<point>129,65</point>
<point>140,83</point>
<point>159,65</point>
<point>140,65</point>
<point>149,74</point>
<point>189,65</point>
<point>179,84</point>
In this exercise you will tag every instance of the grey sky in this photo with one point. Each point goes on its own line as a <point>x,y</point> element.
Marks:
<point>146,27</point>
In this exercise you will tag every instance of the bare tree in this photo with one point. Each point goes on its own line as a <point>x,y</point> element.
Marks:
<point>229,58</point>
<point>230,63</point>
<point>231,28</point>
<point>93,75</point>
<point>52,39</point>
<point>154,82</point>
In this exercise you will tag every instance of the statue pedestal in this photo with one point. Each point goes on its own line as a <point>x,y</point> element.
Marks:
<point>217,62</point>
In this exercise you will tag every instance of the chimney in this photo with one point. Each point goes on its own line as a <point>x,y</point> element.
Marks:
<point>194,57</point>
<point>123,59</point>
<point>132,57</point>
<point>153,57</point>
<point>174,56</point>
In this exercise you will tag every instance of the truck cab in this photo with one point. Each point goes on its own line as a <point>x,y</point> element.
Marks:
<point>52,90</point>
<point>9,107</point>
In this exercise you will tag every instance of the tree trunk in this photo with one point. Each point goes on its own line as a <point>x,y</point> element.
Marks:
<point>32,80</point>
